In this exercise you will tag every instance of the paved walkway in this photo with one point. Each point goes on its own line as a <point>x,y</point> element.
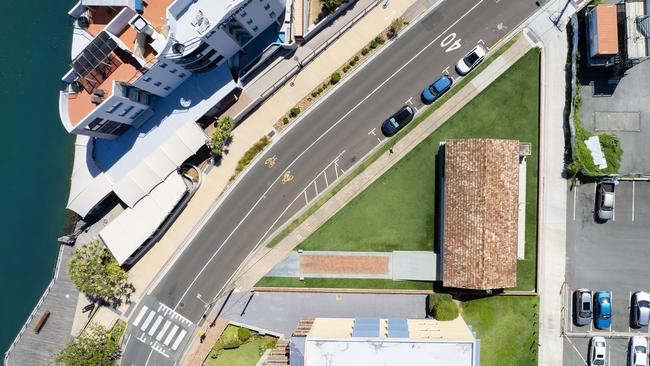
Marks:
<point>552,236</point>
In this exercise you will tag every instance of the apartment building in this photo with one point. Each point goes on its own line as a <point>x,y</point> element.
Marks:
<point>125,55</point>
<point>142,74</point>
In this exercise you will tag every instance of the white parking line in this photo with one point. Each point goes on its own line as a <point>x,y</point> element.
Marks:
<point>306,200</point>
<point>575,349</point>
<point>318,139</point>
<point>327,184</point>
<point>575,197</point>
<point>628,309</point>
<point>633,185</point>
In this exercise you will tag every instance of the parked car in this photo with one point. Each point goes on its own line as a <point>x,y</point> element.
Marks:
<point>470,60</point>
<point>435,90</point>
<point>603,309</point>
<point>638,352</point>
<point>640,308</point>
<point>397,121</point>
<point>582,306</point>
<point>597,351</point>
<point>605,200</point>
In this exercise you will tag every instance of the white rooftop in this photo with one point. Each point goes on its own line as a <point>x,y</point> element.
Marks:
<point>196,19</point>
<point>137,161</point>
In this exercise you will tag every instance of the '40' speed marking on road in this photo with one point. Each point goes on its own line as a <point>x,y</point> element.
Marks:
<point>450,42</point>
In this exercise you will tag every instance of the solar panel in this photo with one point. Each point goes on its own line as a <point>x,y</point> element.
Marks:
<point>97,51</point>
<point>366,327</point>
<point>398,328</point>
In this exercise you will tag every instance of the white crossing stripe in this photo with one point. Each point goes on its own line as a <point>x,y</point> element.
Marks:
<point>164,329</point>
<point>149,318</point>
<point>176,316</point>
<point>155,325</point>
<point>140,315</point>
<point>171,335</point>
<point>179,339</point>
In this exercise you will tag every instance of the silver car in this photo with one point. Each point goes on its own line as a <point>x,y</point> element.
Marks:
<point>640,308</point>
<point>605,200</point>
<point>582,306</point>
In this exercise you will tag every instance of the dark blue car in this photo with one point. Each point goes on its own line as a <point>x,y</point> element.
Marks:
<point>398,120</point>
<point>435,90</point>
<point>603,309</point>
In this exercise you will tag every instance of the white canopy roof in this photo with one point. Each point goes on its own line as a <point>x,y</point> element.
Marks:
<point>127,232</point>
<point>89,185</point>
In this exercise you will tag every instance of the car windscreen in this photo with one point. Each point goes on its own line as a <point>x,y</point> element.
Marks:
<point>586,306</point>
<point>471,59</point>
<point>639,349</point>
<point>644,304</point>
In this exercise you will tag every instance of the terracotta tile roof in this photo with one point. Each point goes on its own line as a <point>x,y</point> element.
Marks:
<point>480,213</point>
<point>607,29</point>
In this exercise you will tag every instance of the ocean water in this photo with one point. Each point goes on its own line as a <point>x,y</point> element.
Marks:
<point>35,153</point>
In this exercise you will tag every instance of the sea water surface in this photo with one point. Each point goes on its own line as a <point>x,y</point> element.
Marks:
<point>35,152</point>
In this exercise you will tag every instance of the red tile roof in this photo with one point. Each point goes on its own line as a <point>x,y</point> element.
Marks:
<point>480,213</point>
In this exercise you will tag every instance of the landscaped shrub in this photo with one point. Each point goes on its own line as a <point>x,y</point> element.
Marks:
<point>285,120</point>
<point>356,58</point>
<point>243,334</point>
<point>229,339</point>
<point>250,154</point>
<point>442,307</point>
<point>346,68</point>
<point>365,51</point>
<point>314,94</point>
<point>373,44</point>
<point>294,112</point>
<point>379,40</point>
<point>335,78</point>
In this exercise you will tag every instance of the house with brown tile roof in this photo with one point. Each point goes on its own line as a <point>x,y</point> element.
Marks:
<point>480,187</point>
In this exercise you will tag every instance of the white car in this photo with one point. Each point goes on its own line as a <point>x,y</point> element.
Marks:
<point>470,60</point>
<point>638,351</point>
<point>597,351</point>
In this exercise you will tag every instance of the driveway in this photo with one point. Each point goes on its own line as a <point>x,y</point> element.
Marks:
<point>280,312</point>
<point>607,256</point>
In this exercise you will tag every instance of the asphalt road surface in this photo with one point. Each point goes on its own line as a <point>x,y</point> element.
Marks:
<point>329,140</point>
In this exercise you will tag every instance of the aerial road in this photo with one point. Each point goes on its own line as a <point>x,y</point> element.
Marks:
<point>313,154</point>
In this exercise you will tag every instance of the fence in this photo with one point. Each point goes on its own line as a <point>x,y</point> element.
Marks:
<point>38,304</point>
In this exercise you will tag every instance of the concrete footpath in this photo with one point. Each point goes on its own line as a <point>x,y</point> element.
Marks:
<point>264,259</point>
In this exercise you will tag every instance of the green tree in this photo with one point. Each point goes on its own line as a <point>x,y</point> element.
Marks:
<point>95,346</point>
<point>221,134</point>
<point>94,271</point>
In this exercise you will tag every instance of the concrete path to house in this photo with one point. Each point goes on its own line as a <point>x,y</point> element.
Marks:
<point>280,312</point>
<point>398,265</point>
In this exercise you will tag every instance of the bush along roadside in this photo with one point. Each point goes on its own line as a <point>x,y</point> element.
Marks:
<point>249,155</point>
<point>339,74</point>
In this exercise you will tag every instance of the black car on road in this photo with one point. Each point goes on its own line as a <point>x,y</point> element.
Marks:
<point>397,121</point>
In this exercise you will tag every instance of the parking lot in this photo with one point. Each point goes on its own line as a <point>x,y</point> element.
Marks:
<point>607,256</point>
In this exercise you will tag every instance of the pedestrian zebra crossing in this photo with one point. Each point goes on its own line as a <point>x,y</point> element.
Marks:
<point>161,328</point>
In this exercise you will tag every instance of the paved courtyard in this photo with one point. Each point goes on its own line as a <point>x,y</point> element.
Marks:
<point>606,256</point>
<point>625,113</point>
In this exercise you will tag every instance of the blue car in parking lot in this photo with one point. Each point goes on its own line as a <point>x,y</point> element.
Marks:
<point>435,90</point>
<point>603,309</point>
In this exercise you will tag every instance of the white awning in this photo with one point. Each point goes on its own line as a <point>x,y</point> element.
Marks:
<point>127,232</point>
<point>88,184</point>
<point>157,165</point>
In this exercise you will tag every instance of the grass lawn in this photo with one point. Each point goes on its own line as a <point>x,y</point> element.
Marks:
<point>397,211</point>
<point>356,283</point>
<point>245,355</point>
<point>507,327</point>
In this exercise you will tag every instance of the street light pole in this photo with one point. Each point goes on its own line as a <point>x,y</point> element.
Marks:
<point>206,305</point>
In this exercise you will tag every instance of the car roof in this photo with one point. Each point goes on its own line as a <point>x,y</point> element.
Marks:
<point>642,295</point>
